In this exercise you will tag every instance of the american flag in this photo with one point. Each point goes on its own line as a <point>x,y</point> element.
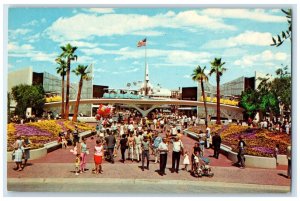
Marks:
<point>142,43</point>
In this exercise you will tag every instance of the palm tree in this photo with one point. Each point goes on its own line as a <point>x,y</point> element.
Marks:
<point>82,71</point>
<point>61,69</point>
<point>217,68</point>
<point>200,76</point>
<point>68,53</point>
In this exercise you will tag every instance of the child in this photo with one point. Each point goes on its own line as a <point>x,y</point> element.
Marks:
<point>64,142</point>
<point>98,157</point>
<point>201,143</point>
<point>77,164</point>
<point>186,160</point>
<point>276,151</point>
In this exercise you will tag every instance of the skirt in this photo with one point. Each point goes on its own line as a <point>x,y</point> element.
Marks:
<point>18,155</point>
<point>97,159</point>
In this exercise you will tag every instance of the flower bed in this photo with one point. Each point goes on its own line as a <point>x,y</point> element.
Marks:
<point>260,142</point>
<point>40,133</point>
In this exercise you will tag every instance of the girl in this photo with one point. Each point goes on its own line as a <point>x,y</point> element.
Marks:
<point>18,153</point>
<point>98,157</point>
<point>186,160</point>
<point>84,151</point>
<point>77,163</point>
<point>64,142</point>
<point>276,151</point>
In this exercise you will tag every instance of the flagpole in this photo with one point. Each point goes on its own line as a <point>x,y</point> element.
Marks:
<point>146,70</point>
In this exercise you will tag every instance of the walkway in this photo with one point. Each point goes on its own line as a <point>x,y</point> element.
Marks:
<point>60,164</point>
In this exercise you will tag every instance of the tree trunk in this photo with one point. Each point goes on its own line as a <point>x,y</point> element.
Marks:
<point>77,101</point>
<point>68,90</point>
<point>218,99</point>
<point>62,113</point>
<point>204,100</point>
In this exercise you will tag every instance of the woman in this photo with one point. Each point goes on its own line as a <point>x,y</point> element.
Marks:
<point>18,153</point>
<point>26,145</point>
<point>84,151</point>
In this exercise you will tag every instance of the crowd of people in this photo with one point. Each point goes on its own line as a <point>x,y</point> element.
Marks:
<point>137,140</point>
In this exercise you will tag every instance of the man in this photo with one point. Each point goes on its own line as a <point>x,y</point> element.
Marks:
<point>241,152</point>
<point>288,155</point>
<point>177,148</point>
<point>145,152</point>
<point>207,139</point>
<point>75,136</point>
<point>110,142</point>
<point>216,142</point>
<point>163,150</point>
<point>130,145</point>
<point>138,149</point>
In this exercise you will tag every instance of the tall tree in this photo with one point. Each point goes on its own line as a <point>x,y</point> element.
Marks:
<point>61,70</point>
<point>249,102</point>
<point>200,76</point>
<point>81,71</point>
<point>28,96</point>
<point>218,69</point>
<point>68,53</point>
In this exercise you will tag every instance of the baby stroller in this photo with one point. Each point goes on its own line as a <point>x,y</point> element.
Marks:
<point>201,167</point>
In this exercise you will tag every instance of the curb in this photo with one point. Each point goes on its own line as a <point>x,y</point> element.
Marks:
<point>13,181</point>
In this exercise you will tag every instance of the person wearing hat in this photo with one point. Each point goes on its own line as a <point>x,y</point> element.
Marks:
<point>145,152</point>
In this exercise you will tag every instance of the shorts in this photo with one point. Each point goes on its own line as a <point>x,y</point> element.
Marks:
<point>97,159</point>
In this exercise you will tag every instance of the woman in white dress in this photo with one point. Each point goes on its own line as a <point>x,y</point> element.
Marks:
<point>18,153</point>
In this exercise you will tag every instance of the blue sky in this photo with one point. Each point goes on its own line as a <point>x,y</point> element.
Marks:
<point>177,41</point>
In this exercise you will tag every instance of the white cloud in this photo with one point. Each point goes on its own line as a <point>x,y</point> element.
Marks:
<point>176,57</point>
<point>82,26</point>
<point>12,34</point>
<point>187,76</point>
<point>79,44</point>
<point>179,44</point>
<point>259,15</point>
<point>100,70</point>
<point>109,44</point>
<point>27,51</point>
<point>86,60</point>
<point>33,38</point>
<point>99,10</point>
<point>265,58</point>
<point>246,38</point>
<point>31,23</point>
<point>15,47</point>
<point>148,33</point>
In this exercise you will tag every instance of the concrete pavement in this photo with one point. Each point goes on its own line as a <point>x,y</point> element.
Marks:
<point>59,166</point>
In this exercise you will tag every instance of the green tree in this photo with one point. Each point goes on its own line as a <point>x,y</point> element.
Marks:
<point>61,70</point>
<point>287,34</point>
<point>68,53</point>
<point>218,69</point>
<point>84,75</point>
<point>249,102</point>
<point>28,96</point>
<point>200,76</point>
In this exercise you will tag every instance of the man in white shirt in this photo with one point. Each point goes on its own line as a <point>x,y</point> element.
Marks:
<point>177,148</point>
<point>138,149</point>
<point>163,149</point>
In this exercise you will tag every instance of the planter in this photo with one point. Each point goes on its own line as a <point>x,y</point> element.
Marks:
<point>51,146</point>
<point>251,161</point>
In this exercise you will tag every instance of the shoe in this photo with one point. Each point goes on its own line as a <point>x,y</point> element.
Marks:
<point>164,173</point>
<point>176,171</point>
<point>76,174</point>
<point>142,169</point>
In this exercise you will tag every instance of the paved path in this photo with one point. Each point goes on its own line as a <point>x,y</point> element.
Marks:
<point>59,165</point>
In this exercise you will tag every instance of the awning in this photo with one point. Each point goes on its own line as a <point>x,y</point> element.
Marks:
<point>187,108</point>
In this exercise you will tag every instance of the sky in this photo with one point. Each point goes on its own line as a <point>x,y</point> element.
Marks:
<point>178,40</point>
